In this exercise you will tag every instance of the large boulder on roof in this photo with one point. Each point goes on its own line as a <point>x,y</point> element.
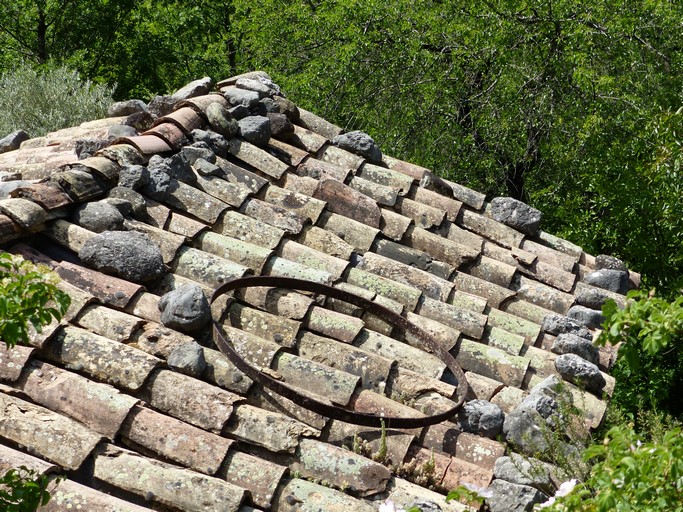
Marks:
<point>516,214</point>
<point>359,143</point>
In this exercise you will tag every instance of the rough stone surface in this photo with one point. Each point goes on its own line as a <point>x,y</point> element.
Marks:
<point>360,143</point>
<point>558,324</point>
<point>604,261</point>
<point>6,187</point>
<point>287,108</point>
<point>121,130</point>
<point>424,506</point>
<point>185,308</point>
<point>280,125</point>
<point>481,417</point>
<point>591,298</point>
<point>573,344</point>
<point>195,88</point>
<point>523,471</point>
<point>526,429</point>
<point>160,179</point>
<point>124,206</point>
<point>188,358</point>
<point>207,168</point>
<point>126,108</point>
<point>141,121</point>
<point>135,199</point>
<point>215,141</point>
<point>609,279</point>
<point>126,254</point>
<point>221,120</point>
<point>579,371</point>
<point>545,397</point>
<point>516,214</point>
<point>239,111</point>
<point>161,105</point>
<point>178,167</point>
<point>510,497</point>
<point>198,150</point>
<point>243,97</point>
<point>133,176</point>
<point>590,318</point>
<point>86,148</point>
<point>260,88</point>
<point>13,141</point>
<point>255,129</point>
<point>98,217</point>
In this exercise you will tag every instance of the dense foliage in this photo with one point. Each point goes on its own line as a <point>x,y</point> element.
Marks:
<point>23,490</point>
<point>29,297</point>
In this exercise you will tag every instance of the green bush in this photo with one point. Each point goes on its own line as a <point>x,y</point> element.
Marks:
<point>28,297</point>
<point>24,490</point>
<point>41,101</point>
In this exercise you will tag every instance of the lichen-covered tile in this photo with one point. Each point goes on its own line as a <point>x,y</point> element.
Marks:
<point>359,235</point>
<point>550,275</point>
<point>107,322</point>
<point>542,295</point>
<point>277,266</point>
<point>404,494</point>
<point>327,242</point>
<point>445,335</point>
<point>378,324</point>
<point>70,495</point>
<point>348,202</point>
<point>48,195</point>
<point>239,176</point>
<point>336,325</point>
<point>370,441</point>
<point>504,340</point>
<point>66,234</point>
<point>514,256</point>
<point>220,371</point>
<point>491,362</point>
<point>248,229</point>
<point>270,430</point>
<point>472,448</point>
<point>277,216</point>
<point>347,308</point>
<point>394,225</point>
<point>342,468</point>
<point>206,268</point>
<point>300,184</point>
<point>233,194</point>
<point>466,321</point>
<point>406,295</point>
<point>340,157</point>
<point>190,400</point>
<point>256,350</point>
<point>447,204</point>
<point>413,171</point>
<point>259,476</point>
<point>515,325</point>
<point>386,176</point>
<point>12,361</point>
<point>542,362</point>
<point>320,170</point>
<point>168,243</point>
<point>335,385</point>
<point>309,257</point>
<point>174,440</point>
<point>401,253</point>
<point>551,256</point>
<point>468,301</point>
<point>278,329</point>
<point>238,251</point>
<point>304,496</point>
<point>559,244</point>
<point>304,206</point>
<point>373,369</point>
<point>46,433</point>
<point>440,248</point>
<point>101,358</point>
<point>482,388</point>
<point>269,400</point>
<point>257,158</point>
<point>277,301</point>
<point>306,139</point>
<point>423,215</point>
<point>489,228</point>
<point>149,478</point>
<point>406,355</point>
<point>430,285</point>
<point>526,310</point>
<point>409,385</point>
<point>381,194</point>
<point>98,406</point>
<point>195,202</point>
<point>508,398</point>
<point>286,153</point>
<point>450,472</point>
<point>492,271</point>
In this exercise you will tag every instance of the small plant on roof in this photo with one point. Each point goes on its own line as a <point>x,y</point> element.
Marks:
<point>29,297</point>
<point>24,490</point>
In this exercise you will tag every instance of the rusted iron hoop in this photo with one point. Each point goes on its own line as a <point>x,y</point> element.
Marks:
<point>328,409</point>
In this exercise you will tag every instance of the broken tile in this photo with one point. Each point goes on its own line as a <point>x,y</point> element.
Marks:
<point>101,358</point>
<point>150,479</point>
<point>409,385</point>
<point>50,435</point>
<point>175,440</point>
<point>190,400</point>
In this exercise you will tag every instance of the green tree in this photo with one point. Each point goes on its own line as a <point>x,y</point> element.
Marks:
<point>24,490</point>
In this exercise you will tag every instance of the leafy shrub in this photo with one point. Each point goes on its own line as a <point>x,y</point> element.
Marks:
<point>630,475</point>
<point>23,490</point>
<point>649,370</point>
<point>28,297</point>
<point>43,101</point>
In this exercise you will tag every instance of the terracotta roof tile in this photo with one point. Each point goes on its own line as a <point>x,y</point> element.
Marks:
<point>107,322</point>
<point>360,236</point>
<point>206,268</point>
<point>244,228</point>
<point>340,157</point>
<point>326,242</point>
<point>440,248</point>
<point>489,228</point>
<point>12,361</point>
<point>70,495</point>
<point>381,194</point>
<point>238,175</point>
<point>347,201</point>
<point>276,216</point>
<point>260,477</point>
<point>317,497</point>
<point>257,158</point>
<point>336,325</point>
<point>319,170</point>
<point>318,124</point>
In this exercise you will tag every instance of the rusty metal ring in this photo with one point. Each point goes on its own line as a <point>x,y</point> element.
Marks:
<point>327,409</point>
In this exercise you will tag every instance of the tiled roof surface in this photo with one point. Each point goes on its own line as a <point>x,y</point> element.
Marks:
<point>105,398</point>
